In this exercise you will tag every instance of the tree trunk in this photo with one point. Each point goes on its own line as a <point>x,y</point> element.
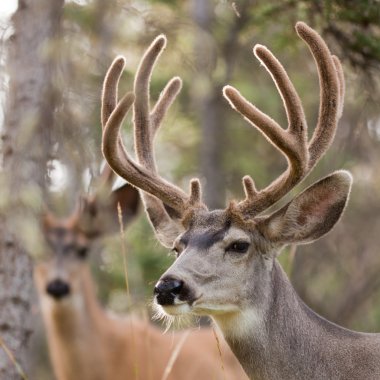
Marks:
<point>26,148</point>
<point>210,108</point>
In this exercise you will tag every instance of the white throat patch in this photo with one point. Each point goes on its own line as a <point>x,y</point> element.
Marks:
<point>240,324</point>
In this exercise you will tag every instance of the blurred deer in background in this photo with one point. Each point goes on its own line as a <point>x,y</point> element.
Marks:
<point>85,342</point>
<point>226,263</point>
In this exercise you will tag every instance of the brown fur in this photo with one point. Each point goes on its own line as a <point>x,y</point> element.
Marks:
<point>87,343</point>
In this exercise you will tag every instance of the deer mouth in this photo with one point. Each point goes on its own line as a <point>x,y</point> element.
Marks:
<point>177,309</point>
<point>197,306</point>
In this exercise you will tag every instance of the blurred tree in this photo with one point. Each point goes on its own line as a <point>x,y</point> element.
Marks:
<point>212,51</point>
<point>26,150</point>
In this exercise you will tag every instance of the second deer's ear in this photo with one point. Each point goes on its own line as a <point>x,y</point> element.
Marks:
<point>311,214</point>
<point>99,215</point>
<point>129,199</point>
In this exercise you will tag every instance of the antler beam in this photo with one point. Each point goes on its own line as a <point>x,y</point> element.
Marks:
<point>301,155</point>
<point>143,174</point>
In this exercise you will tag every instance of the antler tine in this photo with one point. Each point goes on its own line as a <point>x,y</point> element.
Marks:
<point>329,93</point>
<point>142,121</point>
<point>164,102</point>
<point>110,87</point>
<point>109,101</point>
<point>147,122</point>
<point>195,192</point>
<point>292,102</point>
<point>292,142</point>
<point>249,187</point>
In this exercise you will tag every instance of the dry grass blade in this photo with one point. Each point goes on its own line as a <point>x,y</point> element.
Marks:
<point>123,249</point>
<point>174,356</point>
<point>220,352</point>
<point>125,266</point>
<point>13,359</point>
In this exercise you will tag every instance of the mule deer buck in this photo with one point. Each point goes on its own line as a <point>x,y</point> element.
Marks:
<point>85,342</point>
<point>226,264</point>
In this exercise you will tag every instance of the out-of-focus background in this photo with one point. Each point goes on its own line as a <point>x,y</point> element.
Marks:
<point>54,55</point>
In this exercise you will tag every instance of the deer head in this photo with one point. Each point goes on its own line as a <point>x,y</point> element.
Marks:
<point>225,258</point>
<point>70,239</point>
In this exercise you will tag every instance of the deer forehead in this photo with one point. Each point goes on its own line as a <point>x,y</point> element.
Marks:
<point>207,228</point>
<point>64,236</point>
<point>207,238</point>
<point>210,228</point>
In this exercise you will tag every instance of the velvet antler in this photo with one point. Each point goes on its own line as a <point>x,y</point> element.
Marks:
<point>162,198</point>
<point>143,174</point>
<point>301,155</point>
<point>109,101</point>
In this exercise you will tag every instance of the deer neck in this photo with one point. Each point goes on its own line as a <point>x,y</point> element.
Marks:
<point>281,338</point>
<point>73,326</point>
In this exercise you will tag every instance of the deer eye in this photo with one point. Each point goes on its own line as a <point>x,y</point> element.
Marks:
<point>238,247</point>
<point>82,252</point>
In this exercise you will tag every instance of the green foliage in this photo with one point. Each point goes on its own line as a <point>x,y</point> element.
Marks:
<point>145,262</point>
<point>148,254</point>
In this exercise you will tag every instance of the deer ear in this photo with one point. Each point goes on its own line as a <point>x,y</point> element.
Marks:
<point>311,214</point>
<point>128,198</point>
<point>99,215</point>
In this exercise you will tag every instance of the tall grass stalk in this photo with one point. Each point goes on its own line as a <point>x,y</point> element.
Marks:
<point>174,355</point>
<point>125,266</point>
<point>220,352</point>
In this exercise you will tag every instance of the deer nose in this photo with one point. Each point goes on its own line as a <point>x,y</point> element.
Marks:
<point>167,289</point>
<point>58,289</point>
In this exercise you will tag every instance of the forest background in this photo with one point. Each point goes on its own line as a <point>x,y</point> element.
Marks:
<point>54,55</point>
